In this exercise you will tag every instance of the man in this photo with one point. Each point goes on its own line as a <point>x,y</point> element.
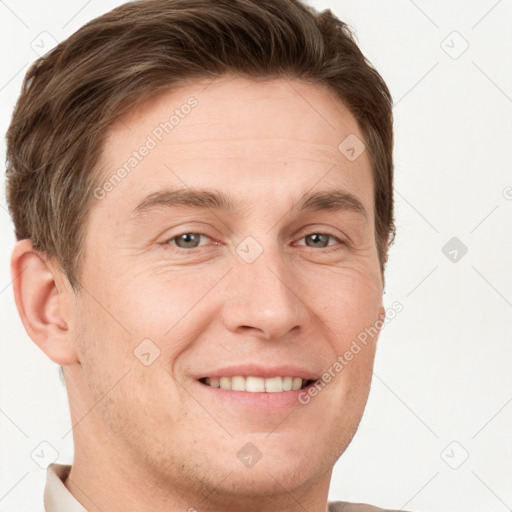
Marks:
<point>202,194</point>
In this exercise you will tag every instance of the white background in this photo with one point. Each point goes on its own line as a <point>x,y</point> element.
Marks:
<point>442,372</point>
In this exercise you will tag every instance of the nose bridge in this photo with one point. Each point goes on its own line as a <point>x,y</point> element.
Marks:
<point>264,292</point>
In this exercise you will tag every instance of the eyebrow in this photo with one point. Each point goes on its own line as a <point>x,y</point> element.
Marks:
<point>327,200</point>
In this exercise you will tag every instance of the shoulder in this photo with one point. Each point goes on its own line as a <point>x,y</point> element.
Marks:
<point>344,506</point>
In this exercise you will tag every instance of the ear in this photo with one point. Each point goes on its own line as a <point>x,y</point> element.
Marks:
<point>42,303</point>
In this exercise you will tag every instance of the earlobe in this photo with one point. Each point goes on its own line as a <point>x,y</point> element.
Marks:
<point>40,303</point>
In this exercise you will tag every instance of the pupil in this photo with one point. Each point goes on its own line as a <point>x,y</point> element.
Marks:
<point>189,238</point>
<point>316,237</point>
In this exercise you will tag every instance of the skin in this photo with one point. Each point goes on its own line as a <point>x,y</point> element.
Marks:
<point>149,431</point>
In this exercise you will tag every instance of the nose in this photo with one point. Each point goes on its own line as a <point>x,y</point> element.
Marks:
<point>265,297</point>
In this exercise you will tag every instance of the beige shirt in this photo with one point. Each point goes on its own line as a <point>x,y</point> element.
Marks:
<point>56,496</point>
<point>58,499</point>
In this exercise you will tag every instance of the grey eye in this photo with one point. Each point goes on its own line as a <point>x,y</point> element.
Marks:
<point>318,239</point>
<point>187,240</point>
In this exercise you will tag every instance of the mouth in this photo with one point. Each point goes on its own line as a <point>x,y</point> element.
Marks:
<point>253,384</point>
<point>256,388</point>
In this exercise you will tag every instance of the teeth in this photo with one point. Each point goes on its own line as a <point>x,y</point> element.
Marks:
<point>225,383</point>
<point>256,384</point>
<point>214,382</point>
<point>297,383</point>
<point>274,385</point>
<point>238,384</point>
<point>287,383</point>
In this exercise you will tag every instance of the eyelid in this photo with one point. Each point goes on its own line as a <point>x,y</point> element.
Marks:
<point>202,229</point>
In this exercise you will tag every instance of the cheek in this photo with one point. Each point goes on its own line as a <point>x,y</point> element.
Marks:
<point>148,311</point>
<point>349,303</point>
<point>104,347</point>
<point>167,308</point>
<point>349,308</point>
<point>159,293</point>
<point>121,387</point>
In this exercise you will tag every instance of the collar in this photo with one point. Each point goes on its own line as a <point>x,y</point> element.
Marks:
<point>57,498</point>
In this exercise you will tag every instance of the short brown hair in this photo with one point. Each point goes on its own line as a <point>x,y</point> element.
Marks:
<point>71,96</point>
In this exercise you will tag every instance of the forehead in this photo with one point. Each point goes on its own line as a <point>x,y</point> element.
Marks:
<point>239,134</point>
<point>256,109</point>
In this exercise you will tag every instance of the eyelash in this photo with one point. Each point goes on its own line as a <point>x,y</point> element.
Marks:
<point>342,243</point>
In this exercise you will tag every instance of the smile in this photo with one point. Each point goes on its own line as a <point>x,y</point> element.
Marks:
<point>253,384</point>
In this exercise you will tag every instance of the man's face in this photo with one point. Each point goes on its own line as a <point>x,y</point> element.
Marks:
<point>275,287</point>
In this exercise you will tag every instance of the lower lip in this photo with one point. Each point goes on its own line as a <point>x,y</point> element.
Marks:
<point>261,402</point>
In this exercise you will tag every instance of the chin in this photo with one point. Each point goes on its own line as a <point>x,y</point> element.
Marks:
<point>285,463</point>
<point>267,480</point>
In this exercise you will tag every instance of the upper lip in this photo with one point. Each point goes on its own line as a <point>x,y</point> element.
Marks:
<point>261,370</point>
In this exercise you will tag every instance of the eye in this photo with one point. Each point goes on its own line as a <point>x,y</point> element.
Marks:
<point>321,240</point>
<point>186,240</point>
<point>315,240</point>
